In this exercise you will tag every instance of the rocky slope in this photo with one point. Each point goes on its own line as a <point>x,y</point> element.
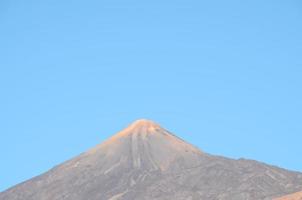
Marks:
<point>295,196</point>
<point>147,162</point>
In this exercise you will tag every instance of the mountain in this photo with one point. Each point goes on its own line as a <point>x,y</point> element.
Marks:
<point>147,162</point>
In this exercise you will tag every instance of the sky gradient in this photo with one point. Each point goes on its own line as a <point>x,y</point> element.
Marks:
<point>223,75</point>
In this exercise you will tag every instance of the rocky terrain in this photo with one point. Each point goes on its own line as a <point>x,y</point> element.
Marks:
<point>294,196</point>
<point>147,162</point>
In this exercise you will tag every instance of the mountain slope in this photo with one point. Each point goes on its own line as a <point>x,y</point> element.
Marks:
<point>295,196</point>
<point>145,162</point>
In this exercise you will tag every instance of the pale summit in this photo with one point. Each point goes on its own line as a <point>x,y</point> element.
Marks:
<point>147,162</point>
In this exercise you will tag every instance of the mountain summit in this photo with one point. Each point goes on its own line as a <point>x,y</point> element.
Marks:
<point>149,147</point>
<point>142,125</point>
<point>147,162</point>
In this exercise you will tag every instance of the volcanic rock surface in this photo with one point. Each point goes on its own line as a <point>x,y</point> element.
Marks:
<point>295,196</point>
<point>147,162</point>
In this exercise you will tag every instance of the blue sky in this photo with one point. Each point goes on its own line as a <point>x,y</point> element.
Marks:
<point>223,75</point>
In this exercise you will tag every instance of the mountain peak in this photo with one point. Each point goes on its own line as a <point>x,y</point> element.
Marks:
<point>141,126</point>
<point>147,145</point>
<point>144,124</point>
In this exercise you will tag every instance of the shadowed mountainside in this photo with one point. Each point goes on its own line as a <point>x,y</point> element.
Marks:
<point>147,162</point>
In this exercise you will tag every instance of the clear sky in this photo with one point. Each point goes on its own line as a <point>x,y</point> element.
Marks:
<point>224,75</point>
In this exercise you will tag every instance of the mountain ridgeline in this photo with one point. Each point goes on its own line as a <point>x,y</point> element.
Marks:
<point>147,162</point>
